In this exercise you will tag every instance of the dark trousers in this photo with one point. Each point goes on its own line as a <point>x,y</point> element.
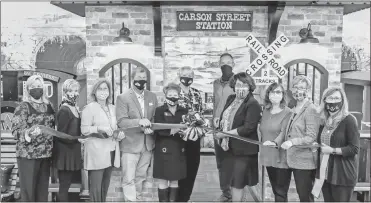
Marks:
<point>34,179</point>
<point>304,180</point>
<point>99,181</point>
<point>193,153</point>
<point>65,180</point>
<point>224,163</point>
<point>336,193</point>
<point>278,178</point>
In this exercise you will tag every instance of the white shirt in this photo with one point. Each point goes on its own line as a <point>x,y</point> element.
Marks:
<point>140,98</point>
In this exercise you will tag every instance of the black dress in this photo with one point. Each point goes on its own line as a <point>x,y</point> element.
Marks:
<point>169,154</point>
<point>67,153</point>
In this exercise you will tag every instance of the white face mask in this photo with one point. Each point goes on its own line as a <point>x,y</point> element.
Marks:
<point>102,95</point>
<point>274,98</point>
<point>242,92</point>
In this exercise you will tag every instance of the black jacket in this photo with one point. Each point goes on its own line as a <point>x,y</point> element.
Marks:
<point>343,169</point>
<point>246,121</point>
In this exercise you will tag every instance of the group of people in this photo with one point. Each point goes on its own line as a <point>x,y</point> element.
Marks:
<point>144,153</point>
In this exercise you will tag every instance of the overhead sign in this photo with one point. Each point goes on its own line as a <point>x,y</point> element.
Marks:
<point>266,56</point>
<point>214,20</point>
<point>48,86</point>
<point>43,75</point>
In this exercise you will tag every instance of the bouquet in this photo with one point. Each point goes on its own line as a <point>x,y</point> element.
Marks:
<point>196,126</point>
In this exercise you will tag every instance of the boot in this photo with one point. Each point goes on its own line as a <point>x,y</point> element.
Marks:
<point>163,195</point>
<point>173,194</point>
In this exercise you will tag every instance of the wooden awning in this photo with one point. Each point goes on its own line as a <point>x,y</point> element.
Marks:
<point>356,78</point>
<point>78,7</point>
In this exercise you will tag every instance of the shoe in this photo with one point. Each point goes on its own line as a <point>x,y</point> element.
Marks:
<point>173,194</point>
<point>163,195</point>
<point>223,198</point>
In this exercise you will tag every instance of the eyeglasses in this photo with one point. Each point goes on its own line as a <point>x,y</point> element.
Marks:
<point>333,99</point>
<point>299,88</point>
<point>276,92</point>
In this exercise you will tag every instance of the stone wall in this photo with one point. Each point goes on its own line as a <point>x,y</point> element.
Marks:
<point>327,26</point>
<point>103,24</point>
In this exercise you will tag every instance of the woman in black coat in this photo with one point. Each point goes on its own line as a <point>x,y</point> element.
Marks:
<point>169,155</point>
<point>339,137</point>
<point>241,116</point>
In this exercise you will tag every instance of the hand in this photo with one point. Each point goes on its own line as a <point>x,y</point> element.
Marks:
<point>220,136</point>
<point>326,149</point>
<point>269,143</point>
<point>216,122</point>
<point>286,145</point>
<point>27,137</point>
<point>148,131</point>
<point>82,141</point>
<point>33,132</point>
<point>107,130</point>
<point>120,136</point>
<point>174,130</point>
<point>144,122</point>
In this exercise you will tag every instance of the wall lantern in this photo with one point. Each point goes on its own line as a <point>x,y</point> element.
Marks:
<point>123,36</point>
<point>307,36</point>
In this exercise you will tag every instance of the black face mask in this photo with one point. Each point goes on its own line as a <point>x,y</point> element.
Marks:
<point>140,84</point>
<point>226,72</point>
<point>36,93</point>
<point>186,81</point>
<point>172,101</point>
<point>333,107</point>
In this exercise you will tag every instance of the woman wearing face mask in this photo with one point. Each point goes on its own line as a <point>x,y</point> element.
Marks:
<point>241,116</point>
<point>67,153</point>
<point>273,123</point>
<point>169,155</point>
<point>302,129</point>
<point>339,137</point>
<point>33,149</point>
<point>100,154</point>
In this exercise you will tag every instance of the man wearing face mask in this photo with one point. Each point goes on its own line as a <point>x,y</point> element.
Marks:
<point>136,107</point>
<point>221,91</point>
<point>191,99</point>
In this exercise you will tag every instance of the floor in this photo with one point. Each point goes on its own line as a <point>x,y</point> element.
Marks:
<point>206,186</point>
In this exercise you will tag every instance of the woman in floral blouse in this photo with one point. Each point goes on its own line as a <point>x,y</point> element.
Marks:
<point>33,149</point>
<point>189,98</point>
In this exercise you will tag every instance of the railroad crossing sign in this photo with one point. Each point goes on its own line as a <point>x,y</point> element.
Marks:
<point>266,56</point>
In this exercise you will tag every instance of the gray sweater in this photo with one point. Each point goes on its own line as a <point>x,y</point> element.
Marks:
<point>302,131</point>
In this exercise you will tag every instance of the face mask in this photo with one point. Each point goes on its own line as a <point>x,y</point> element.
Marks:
<point>36,93</point>
<point>299,95</point>
<point>333,107</point>
<point>274,98</point>
<point>226,71</point>
<point>102,95</point>
<point>186,81</point>
<point>139,84</point>
<point>72,98</point>
<point>241,93</point>
<point>172,101</point>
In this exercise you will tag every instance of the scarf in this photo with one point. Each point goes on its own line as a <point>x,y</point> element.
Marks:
<point>326,134</point>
